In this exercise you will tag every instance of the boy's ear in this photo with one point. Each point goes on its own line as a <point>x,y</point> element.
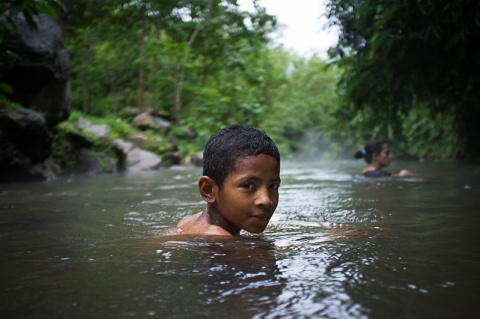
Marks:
<point>207,188</point>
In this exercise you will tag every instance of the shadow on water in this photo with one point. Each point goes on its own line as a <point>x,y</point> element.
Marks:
<point>338,246</point>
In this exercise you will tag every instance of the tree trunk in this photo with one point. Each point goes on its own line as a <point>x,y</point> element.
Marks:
<point>181,74</point>
<point>85,96</point>
<point>84,87</point>
<point>206,46</point>
<point>155,65</point>
<point>141,72</point>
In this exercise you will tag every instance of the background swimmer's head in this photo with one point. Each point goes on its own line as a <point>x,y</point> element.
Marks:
<point>372,147</point>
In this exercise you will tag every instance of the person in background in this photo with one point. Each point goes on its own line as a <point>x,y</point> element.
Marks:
<point>377,156</point>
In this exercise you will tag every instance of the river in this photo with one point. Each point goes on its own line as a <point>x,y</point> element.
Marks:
<point>338,246</point>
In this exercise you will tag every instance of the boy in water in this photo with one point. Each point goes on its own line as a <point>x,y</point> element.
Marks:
<point>241,177</point>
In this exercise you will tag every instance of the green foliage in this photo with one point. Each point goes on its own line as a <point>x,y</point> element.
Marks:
<point>66,161</point>
<point>428,135</point>
<point>400,55</point>
<point>417,133</point>
<point>61,149</point>
<point>5,104</point>
<point>302,97</point>
<point>29,8</point>
<point>402,71</point>
<point>203,65</point>
<point>118,127</point>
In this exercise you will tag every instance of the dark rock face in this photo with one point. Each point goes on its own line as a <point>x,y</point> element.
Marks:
<point>25,143</point>
<point>79,158</point>
<point>39,77</point>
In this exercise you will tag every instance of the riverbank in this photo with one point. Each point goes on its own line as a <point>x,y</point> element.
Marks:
<point>135,140</point>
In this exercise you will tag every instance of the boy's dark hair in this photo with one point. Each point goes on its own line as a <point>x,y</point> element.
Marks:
<point>372,147</point>
<point>230,143</point>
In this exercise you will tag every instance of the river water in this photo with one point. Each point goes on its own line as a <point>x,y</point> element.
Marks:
<point>338,246</point>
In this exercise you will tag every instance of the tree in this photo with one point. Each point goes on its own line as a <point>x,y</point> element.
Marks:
<point>188,45</point>
<point>401,55</point>
<point>301,96</point>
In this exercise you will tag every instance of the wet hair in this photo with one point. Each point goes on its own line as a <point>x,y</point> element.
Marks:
<point>372,147</point>
<point>225,147</point>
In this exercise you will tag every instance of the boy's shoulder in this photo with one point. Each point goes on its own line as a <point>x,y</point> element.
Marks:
<point>196,225</point>
<point>185,222</point>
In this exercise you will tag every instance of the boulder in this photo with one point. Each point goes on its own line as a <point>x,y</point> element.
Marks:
<point>77,140</point>
<point>39,76</point>
<point>98,130</point>
<point>139,140</point>
<point>79,158</point>
<point>86,162</point>
<point>148,121</point>
<point>136,158</point>
<point>25,144</point>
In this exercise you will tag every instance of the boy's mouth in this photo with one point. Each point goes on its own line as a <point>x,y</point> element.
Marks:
<point>261,217</point>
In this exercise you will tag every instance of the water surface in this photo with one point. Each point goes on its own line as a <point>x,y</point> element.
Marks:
<point>339,246</point>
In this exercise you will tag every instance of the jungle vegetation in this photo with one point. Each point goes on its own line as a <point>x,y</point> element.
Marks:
<point>405,71</point>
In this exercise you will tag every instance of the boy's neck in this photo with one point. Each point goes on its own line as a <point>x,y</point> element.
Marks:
<point>213,217</point>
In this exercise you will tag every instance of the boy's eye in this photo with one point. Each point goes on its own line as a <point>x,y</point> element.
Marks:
<point>247,185</point>
<point>274,187</point>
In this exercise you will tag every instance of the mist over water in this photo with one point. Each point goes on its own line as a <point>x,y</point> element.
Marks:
<point>338,246</point>
<point>313,149</point>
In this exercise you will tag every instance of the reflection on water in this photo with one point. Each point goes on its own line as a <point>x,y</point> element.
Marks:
<point>338,246</point>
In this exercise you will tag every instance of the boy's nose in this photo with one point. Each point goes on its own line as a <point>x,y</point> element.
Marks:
<point>263,199</point>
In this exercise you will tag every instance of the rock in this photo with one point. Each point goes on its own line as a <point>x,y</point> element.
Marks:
<point>87,162</point>
<point>100,131</point>
<point>28,131</point>
<point>25,144</point>
<point>77,140</point>
<point>123,146</point>
<point>39,78</point>
<point>136,158</point>
<point>142,160</point>
<point>173,159</point>
<point>79,158</point>
<point>91,163</point>
<point>194,160</point>
<point>139,140</point>
<point>110,165</point>
<point>147,121</point>
<point>40,75</point>
<point>182,132</point>
<point>197,159</point>
<point>42,170</point>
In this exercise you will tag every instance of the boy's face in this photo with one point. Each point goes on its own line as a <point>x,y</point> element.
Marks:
<point>249,195</point>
